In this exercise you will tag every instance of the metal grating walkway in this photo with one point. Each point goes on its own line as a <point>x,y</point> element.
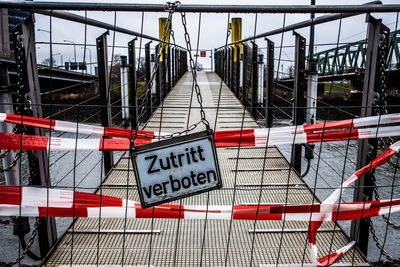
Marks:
<point>179,242</point>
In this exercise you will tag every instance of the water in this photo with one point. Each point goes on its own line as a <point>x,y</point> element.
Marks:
<point>332,170</point>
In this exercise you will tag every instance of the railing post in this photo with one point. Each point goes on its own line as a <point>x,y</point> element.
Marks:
<point>169,81</point>
<point>237,71</point>
<point>367,148</point>
<point>148,77</point>
<point>38,160</point>
<point>243,98</point>
<point>300,86</point>
<point>104,88</point>
<point>124,91</point>
<point>6,106</point>
<point>254,80</point>
<point>157,78</point>
<point>132,84</point>
<point>163,76</point>
<point>269,83</point>
<point>312,91</point>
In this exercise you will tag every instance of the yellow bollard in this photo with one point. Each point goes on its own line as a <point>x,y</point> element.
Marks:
<point>162,27</point>
<point>236,35</point>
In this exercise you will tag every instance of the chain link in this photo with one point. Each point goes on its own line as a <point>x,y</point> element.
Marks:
<point>22,99</point>
<point>27,248</point>
<point>380,103</point>
<point>170,7</point>
<point>383,78</point>
<point>194,73</point>
<point>379,245</point>
<point>377,197</point>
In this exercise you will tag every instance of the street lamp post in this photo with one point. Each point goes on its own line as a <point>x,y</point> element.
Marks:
<point>51,47</point>
<point>68,41</point>
<point>90,58</point>
<point>56,54</point>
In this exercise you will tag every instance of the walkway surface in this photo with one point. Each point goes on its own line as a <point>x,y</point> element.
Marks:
<point>172,242</point>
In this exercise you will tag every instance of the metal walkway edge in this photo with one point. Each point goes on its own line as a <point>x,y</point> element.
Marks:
<point>172,242</point>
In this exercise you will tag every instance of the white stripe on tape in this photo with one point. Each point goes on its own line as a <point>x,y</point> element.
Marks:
<point>16,210</point>
<point>43,197</point>
<point>64,126</point>
<point>3,116</point>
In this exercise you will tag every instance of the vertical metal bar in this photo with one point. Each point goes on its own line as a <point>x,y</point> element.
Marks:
<point>299,89</point>
<point>12,176</point>
<point>172,59</point>
<point>254,80</point>
<point>148,77</point>
<point>237,70</point>
<point>169,82</point>
<point>104,88</point>
<point>367,148</point>
<point>124,90</point>
<point>162,71</point>
<point>269,83</point>
<point>158,91</point>
<point>243,98</point>
<point>232,63</point>
<point>38,159</point>
<point>132,83</point>
<point>312,94</point>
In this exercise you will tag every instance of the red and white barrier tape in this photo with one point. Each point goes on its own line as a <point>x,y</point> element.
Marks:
<point>42,202</point>
<point>72,127</point>
<point>250,138</point>
<point>333,198</point>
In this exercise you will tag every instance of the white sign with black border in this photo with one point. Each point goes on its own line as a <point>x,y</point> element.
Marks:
<point>176,168</point>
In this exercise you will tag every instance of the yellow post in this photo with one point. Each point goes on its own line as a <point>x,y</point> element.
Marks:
<point>236,35</point>
<point>162,27</point>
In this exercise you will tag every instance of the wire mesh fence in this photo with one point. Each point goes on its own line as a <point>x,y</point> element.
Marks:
<point>75,140</point>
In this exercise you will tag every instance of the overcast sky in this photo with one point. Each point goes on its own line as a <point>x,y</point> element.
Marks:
<point>213,28</point>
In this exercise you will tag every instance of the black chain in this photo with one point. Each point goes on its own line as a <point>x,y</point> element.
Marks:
<point>194,73</point>
<point>379,245</point>
<point>27,248</point>
<point>377,197</point>
<point>381,105</point>
<point>170,7</point>
<point>22,98</point>
<point>383,78</point>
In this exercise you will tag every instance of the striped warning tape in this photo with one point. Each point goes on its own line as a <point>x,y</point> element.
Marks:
<point>333,198</point>
<point>248,137</point>
<point>45,202</point>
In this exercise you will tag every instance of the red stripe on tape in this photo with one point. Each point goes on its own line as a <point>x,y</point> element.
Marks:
<point>175,213</point>
<point>30,121</point>
<point>330,259</point>
<point>63,212</point>
<point>328,126</point>
<point>233,138</point>
<point>93,200</point>
<point>10,195</point>
<point>126,133</point>
<point>332,136</point>
<point>29,142</point>
<point>378,161</point>
<point>114,144</point>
